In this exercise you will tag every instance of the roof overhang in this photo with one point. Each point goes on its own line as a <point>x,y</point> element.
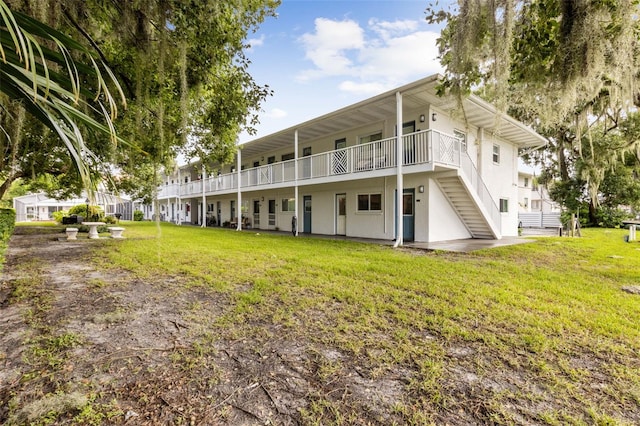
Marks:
<point>416,95</point>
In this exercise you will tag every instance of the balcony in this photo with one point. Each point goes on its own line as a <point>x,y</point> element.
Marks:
<point>428,147</point>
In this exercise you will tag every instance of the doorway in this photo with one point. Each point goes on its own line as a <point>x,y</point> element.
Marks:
<point>272,214</point>
<point>307,214</point>
<point>256,214</point>
<point>341,214</point>
<point>408,214</point>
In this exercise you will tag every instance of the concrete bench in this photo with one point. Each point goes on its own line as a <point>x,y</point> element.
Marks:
<point>72,233</point>
<point>116,232</point>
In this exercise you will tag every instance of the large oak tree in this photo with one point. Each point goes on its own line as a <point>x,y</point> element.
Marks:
<point>181,66</point>
<point>570,68</point>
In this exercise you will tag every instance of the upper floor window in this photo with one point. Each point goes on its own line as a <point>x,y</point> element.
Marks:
<point>496,154</point>
<point>289,156</point>
<point>462,137</point>
<point>306,151</point>
<point>526,182</point>
<point>341,143</point>
<point>271,160</point>
<point>370,138</point>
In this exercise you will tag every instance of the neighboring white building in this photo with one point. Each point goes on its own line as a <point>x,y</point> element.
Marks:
<point>39,206</point>
<point>525,183</point>
<point>454,174</point>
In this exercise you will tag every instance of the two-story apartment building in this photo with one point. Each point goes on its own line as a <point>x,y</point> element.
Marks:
<point>451,172</point>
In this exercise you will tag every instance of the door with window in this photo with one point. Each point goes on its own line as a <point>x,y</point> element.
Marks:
<point>341,214</point>
<point>408,214</point>
<point>306,200</point>
<point>272,214</point>
<point>256,214</point>
<point>409,143</point>
<point>219,212</point>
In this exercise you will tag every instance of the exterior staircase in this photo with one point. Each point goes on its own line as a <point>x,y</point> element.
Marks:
<point>469,207</point>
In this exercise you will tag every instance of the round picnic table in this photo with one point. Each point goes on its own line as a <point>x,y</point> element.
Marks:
<point>93,228</point>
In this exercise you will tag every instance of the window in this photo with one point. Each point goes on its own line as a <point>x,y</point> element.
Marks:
<point>341,143</point>
<point>526,182</point>
<point>288,204</point>
<point>496,154</point>
<point>306,151</point>
<point>186,179</point>
<point>526,202</point>
<point>462,137</point>
<point>271,160</point>
<point>289,156</point>
<point>371,138</point>
<point>535,204</point>
<point>256,164</point>
<point>504,205</point>
<point>369,202</point>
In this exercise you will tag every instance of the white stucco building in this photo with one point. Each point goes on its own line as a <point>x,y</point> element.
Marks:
<point>453,173</point>
<point>39,206</point>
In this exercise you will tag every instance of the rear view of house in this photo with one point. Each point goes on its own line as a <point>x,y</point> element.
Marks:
<point>406,165</point>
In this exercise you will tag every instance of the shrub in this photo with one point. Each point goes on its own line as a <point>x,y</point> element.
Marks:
<point>58,215</point>
<point>138,215</point>
<point>109,220</point>
<point>7,223</point>
<point>610,217</point>
<point>95,212</point>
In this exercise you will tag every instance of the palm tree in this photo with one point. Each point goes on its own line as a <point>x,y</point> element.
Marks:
<point>37,68</point>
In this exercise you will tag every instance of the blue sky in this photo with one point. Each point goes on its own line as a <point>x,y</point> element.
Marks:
<point>321,55</point>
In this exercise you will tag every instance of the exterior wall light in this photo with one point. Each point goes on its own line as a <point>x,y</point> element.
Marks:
<point>434,116</point>
<point>421,189</point>
<point>422,118</point>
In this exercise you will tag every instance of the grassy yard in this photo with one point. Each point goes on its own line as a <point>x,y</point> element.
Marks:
<point>527,321</point>
<point>535,333</point>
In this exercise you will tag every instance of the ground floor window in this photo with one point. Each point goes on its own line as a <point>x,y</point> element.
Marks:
<point>369,202</point>
<point>288,204</point>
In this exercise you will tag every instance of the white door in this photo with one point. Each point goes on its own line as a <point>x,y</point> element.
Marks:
<point>341,214</point>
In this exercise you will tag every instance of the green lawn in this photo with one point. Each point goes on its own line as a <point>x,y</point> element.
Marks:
<point>544,326</point>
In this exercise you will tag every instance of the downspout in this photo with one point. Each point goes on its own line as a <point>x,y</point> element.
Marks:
<point>399,178</point>
<point>239,208</point>
<point>295,171</point>
<point>203,218</point>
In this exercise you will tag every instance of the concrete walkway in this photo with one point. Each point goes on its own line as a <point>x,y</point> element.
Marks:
<point>462,246</point>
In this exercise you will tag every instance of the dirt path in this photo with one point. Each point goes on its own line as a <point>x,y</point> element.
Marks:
<point>86,346</point>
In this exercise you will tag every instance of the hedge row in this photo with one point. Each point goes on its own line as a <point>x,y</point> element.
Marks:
<point>7,223</point>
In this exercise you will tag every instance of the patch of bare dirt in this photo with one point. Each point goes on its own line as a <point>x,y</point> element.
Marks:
<point>147,352</point>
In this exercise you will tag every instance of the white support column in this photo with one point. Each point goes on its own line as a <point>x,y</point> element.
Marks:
<point>480,145</point>
<point>179,222</point>
<point>203,211</point>
<point>239,207</point>
<point>295,170</point>
<point>399,177</point>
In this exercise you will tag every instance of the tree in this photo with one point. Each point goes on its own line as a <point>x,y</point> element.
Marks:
<point>181,66</point>
<point>43,90</point>
<point>561,66</point>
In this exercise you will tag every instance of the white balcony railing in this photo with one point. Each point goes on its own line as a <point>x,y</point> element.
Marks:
<point>423,147</point>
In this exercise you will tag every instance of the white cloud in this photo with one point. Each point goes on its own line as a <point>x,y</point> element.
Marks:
<point>255,42</point>
<point>383,55</point>
<point>360,88</point>
<point>328,46</point>
<point>276,113</point>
